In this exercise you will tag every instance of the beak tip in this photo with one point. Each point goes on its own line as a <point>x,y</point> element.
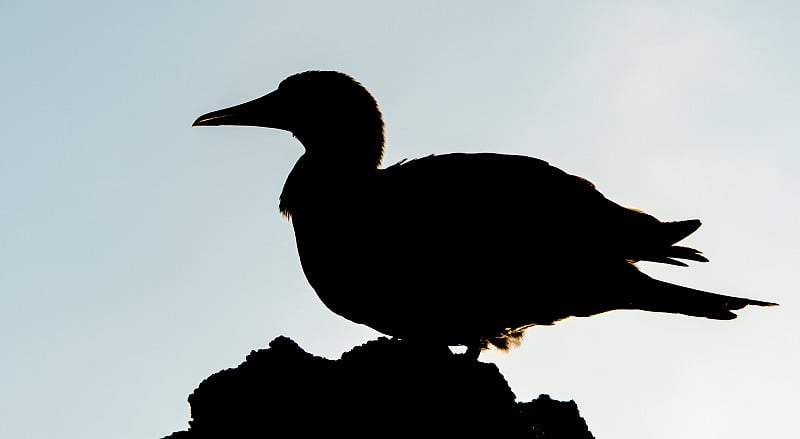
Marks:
<point>205,120</point>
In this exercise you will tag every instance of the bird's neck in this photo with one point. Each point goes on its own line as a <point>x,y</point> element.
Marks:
<point>344,146</point>
<point>320,181</point>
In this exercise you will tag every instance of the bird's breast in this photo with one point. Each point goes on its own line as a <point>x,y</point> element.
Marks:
<point>337,239</point>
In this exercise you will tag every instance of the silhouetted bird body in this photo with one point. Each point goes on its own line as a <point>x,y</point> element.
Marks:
<point>457,249</point>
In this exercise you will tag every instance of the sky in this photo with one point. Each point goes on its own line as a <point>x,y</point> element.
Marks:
<point>138,255</point>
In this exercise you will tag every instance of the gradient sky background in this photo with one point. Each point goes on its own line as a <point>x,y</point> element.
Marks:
<point>140,255</point>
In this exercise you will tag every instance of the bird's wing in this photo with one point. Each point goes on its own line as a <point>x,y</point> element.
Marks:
<point>502,202</point>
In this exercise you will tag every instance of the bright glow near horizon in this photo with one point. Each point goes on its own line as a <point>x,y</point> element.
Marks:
<point>140,256</point>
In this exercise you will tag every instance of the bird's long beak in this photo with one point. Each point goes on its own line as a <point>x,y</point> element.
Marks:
<point>266,111</point>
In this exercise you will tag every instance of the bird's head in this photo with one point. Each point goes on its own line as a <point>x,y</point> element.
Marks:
<point>331,114</point>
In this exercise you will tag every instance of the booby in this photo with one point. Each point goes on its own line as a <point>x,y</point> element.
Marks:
<point>457,249</point>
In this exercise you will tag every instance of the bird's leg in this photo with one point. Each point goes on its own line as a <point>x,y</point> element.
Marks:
<point>473,351</point>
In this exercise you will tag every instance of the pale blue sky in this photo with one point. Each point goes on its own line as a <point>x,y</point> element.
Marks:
<point>140,256</point>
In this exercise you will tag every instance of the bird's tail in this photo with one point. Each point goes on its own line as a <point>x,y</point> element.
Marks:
<point>670,298</point>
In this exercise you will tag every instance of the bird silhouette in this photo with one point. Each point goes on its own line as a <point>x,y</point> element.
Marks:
<point>457,249</point>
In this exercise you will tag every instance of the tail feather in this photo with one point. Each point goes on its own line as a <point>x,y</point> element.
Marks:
<point>676,299</point>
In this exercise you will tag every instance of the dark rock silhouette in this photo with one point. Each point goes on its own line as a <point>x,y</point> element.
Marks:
<point>457,249</point>
<point>383,388</point>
